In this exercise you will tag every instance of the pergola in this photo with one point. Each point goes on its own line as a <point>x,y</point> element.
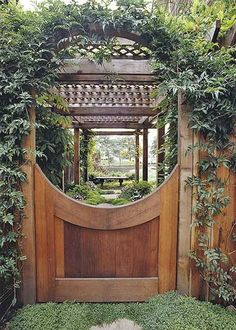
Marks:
<point>118,94</point>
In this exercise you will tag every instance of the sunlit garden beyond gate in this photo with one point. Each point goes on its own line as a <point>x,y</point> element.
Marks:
<point>117,164</point>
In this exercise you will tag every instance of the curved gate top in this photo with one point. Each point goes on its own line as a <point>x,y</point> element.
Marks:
<point>87,253</point>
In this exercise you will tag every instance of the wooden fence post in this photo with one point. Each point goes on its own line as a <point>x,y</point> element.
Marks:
<point>137,156</point>
<point>145,154</point>
<point>28,289</point>
<point>185,161</point>
<point>160,157</point>
<point>77,156</point>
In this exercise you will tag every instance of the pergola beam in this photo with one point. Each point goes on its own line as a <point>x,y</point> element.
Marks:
<point>137,156</point>
<point>145,154</point>
<point>77,156</point>
<point>93,125</point>
<point>110,111</point>
<point>101,133</point>
<point>107,78</point>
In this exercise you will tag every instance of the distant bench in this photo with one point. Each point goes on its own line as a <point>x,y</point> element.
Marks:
<point>102,179</point>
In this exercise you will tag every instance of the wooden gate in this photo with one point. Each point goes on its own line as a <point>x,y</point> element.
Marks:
<point>87,253</point>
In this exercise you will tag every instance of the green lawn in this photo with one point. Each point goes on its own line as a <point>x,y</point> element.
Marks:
<point>164,312</point>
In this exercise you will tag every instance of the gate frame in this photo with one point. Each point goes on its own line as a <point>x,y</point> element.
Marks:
<point>28,291</point>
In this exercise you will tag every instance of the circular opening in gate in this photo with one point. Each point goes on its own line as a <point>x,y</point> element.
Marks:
<point>123,141</point>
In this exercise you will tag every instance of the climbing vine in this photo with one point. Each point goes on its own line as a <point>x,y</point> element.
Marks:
<point>183,62</point>
<point>206,75</point>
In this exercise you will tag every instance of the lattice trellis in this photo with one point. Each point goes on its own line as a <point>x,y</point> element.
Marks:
<point>120,51</point>
<point>115,95</point>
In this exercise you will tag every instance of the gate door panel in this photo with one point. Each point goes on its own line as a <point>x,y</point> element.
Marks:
<point>96,254</point>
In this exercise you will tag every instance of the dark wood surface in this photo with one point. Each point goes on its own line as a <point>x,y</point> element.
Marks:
<point>130,252</point>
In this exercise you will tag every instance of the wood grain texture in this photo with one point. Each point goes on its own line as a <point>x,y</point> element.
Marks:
<point>137,154</point>
<point>77,156</point>
<point>117,244</point>
<point>41,239</point>
<point>105,290</point>
<point>59,247</point>
<point>167,254</point>
<point>195,280</point>
<point>130,252</point>
<point>185,196</point>
<point>28,288</point>
<point>145,154</point>
<point>106,218</point>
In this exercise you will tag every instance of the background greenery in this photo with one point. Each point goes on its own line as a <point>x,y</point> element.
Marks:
<point>183,61</point>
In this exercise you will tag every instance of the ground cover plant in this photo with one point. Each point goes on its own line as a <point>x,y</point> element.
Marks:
<point>164,312</point>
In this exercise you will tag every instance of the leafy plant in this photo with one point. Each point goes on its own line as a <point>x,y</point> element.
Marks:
<point>136,190</point>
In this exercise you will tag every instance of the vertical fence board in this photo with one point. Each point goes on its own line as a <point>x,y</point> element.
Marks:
<point>168,235</point>
<point>28,289</point>
<point>185,196</point>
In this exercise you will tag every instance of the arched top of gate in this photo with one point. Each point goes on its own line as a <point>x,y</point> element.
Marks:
<point>106,217</point>
<point>105,34</point>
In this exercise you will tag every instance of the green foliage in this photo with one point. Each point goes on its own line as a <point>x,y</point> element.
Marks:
<point>164,312</point>
<point>26,63</point>
<point>87,149</point>
<point>136,190</point>
<point>55,144</point>
<point>120,201</point>
<point>183,62</point>
<point>205,74</point>
<point>87,192</point>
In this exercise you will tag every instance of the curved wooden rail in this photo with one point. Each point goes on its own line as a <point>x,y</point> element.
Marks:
<point>104,218</point>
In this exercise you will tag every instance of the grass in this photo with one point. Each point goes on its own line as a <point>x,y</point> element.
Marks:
<point>164,312</point>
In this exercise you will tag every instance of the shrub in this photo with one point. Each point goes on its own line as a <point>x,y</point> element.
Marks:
<point>119,201</point>
<point>136,190</point>
<point>82,191</point>
<point>94,198</point>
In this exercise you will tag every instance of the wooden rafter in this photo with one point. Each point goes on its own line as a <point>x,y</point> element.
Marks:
<point>122,133</point>
<point>100,78</point>
<point>109,111</point>
<point>90,125</point>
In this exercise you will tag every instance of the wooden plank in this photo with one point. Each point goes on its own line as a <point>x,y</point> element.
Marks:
<point>103,133</point>
<point>106,218</point>
<point>137,154</point>
<point>59,247</point>
<point>114,66</point>
<point>196,285</point>
<point>213,33</point>
<point>28,289</point>
<point>110,254</point>
<point>109,111</point>
<point>167,255</point>
<point>145,154</point>
<point>185,197</point>
<point>41,237</point>
<point>229,38</point>
<point>98,29</point>
<point>105,290</point>
<point>77,156</point>
<point>107,78</point>
<point>129,125</point>
<point>160,157</point>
